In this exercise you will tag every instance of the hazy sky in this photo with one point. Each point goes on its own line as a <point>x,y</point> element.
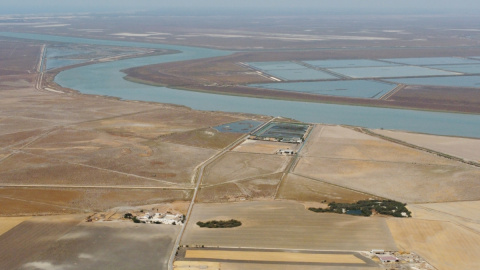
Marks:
<point>214,6</point>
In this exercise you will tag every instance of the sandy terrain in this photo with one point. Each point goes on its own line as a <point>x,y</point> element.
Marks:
<point>242,166</point>
<point>263,147</point>
<point>286,225</point>
<point>444,245</point>
<point>468,149</point>
<point>205,138</point>
<point>347,158</point>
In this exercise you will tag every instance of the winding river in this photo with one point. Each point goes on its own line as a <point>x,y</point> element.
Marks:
<point>107,79</point>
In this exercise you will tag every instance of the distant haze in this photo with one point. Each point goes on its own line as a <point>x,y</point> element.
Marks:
<point>257,7</point>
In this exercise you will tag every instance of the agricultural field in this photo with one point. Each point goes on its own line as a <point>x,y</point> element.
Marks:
<point>444,245</point>
<point>465,214</point>
<point>287,225</point>
<point>466,148</point>
<point>347,158</point>
<point>304,189</point>
<point>60,242</point>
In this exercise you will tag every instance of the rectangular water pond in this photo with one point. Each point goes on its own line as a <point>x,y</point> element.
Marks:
<point>348,63</point>
<point>300,74</point>
<point>390,72</point>
<point>467,69</point>
<point>428,61</point>
<point>244,126</point>
<point>282,132</point>
<point>458,81</point>
<point>267,66</point>
<point>344,88</point>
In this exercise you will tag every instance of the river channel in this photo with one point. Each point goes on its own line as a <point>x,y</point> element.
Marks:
<point>107,79</point>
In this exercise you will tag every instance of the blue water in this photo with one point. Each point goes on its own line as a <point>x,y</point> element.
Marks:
<point>348,63</point>
<point>106,79</point>
<point>244,126</point>
<point>352,88</point>
<point>300,74</point>
<point>266,66</point>
<point>394,71</point>
<point>427,61</point>
<point>468,69</point>
<point>459,81</point>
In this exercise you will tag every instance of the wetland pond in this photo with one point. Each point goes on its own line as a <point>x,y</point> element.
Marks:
<point>107,79</point>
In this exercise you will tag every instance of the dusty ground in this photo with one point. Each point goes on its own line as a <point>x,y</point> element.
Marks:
<point>443,244</point>
<point>468,149</point>
<point>254,188</point>
<point>347,158</point>
<point>264,147</point>
<point>286,225</point>
<point>234,166</point>
<point>54,200</point>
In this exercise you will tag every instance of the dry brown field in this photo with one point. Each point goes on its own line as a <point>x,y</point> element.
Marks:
<point>254,188</point>
<point>7,223</point>
<point>288,225</point>
<point>204,138</point>
<point>206,265</point>
<point>303,189</point>
<point>444,245</point>
<point>465,214</point>
<point>18,57</point>
<point>468,149</point>
<point>235,166</point>
<point>32,237</point>
<point>52,200</point>
<point>357,161</point>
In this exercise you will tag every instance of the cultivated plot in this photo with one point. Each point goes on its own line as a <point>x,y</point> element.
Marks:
<point>287,225</point>
<point>465,148</point>
<point>465,214</point>
<point>347,88</point>
<point>444,245</point>
<point>105,245</point>
<point>347,158</point>
<point>303,189</point>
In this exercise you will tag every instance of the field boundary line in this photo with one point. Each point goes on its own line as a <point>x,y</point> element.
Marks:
<point>424,149</point>
<point>335,185</point>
